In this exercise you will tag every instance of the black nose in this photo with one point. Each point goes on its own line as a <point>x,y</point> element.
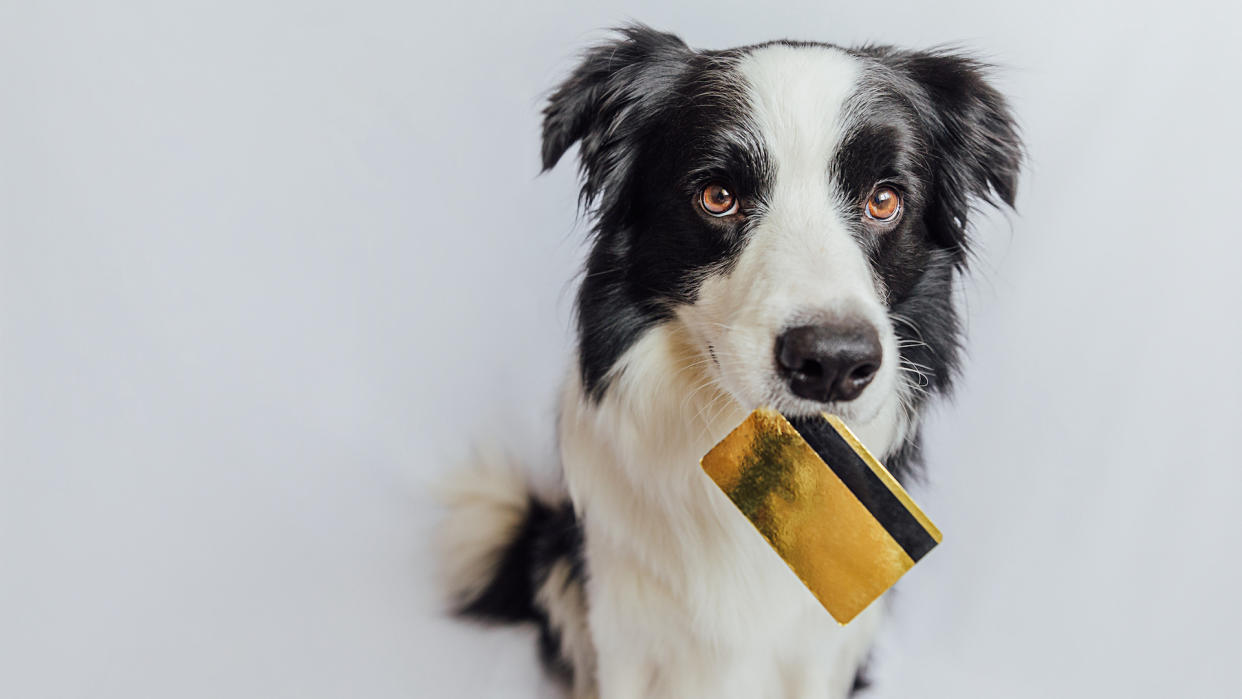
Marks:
<point>830,362</point>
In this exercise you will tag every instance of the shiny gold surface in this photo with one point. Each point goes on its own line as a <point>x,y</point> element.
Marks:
<point>826,536</point>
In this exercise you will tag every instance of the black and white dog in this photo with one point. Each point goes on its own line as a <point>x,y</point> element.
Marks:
<point>776,225</point>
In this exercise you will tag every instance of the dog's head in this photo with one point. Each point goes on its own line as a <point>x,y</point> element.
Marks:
<point>801,209</point>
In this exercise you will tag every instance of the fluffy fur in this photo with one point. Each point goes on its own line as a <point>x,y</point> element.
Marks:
<point>649,584</point>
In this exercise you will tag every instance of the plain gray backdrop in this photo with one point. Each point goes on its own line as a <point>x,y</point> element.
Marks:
<point>269,268</point>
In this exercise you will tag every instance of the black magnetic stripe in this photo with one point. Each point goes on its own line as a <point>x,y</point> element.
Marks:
<point>865,485</point>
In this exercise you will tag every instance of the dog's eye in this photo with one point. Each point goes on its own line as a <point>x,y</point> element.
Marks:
<point>717,200</point>
<point>884,205</point>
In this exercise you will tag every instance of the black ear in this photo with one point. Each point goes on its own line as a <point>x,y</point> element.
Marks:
<point>976,153</point>
<point>609,100</point>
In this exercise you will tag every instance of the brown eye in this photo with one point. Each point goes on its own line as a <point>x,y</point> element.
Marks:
<point>884,205</point>
<point>717,200</point>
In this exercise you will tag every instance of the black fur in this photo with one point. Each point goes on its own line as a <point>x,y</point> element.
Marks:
<point>932,126</point>
<point>862,678</point>
<point>654,122</point>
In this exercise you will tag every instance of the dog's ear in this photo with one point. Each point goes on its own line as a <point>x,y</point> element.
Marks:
<point>976,152</point>
<point>608,101</point>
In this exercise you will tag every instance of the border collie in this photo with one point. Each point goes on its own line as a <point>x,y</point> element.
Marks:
<point>779,225</point>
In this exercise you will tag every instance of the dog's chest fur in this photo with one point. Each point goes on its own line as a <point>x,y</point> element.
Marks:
<point>685,598</point>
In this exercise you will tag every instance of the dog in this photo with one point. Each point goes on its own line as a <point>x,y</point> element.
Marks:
<point>781,225</point>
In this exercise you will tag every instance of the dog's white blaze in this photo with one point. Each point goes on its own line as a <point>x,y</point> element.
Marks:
<point>800,262</point>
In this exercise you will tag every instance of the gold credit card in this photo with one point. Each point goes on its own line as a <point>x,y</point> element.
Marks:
<point>839,519</point>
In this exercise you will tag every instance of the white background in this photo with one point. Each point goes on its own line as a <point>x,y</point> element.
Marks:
<point>269,268</point>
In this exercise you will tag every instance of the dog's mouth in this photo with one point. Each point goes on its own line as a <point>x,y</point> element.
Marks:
<point>852,412</point>
<point>773,391</point>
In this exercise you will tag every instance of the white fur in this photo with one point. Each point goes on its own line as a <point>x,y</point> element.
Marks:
<point>686,598</point>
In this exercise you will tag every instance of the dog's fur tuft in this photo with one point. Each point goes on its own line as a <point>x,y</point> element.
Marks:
<point>512,556</point>
<point>488,505</point>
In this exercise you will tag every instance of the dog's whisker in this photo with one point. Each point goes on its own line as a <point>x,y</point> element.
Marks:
<point>709,383</point>
<point>923,379</point>
<point>906,361</point>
